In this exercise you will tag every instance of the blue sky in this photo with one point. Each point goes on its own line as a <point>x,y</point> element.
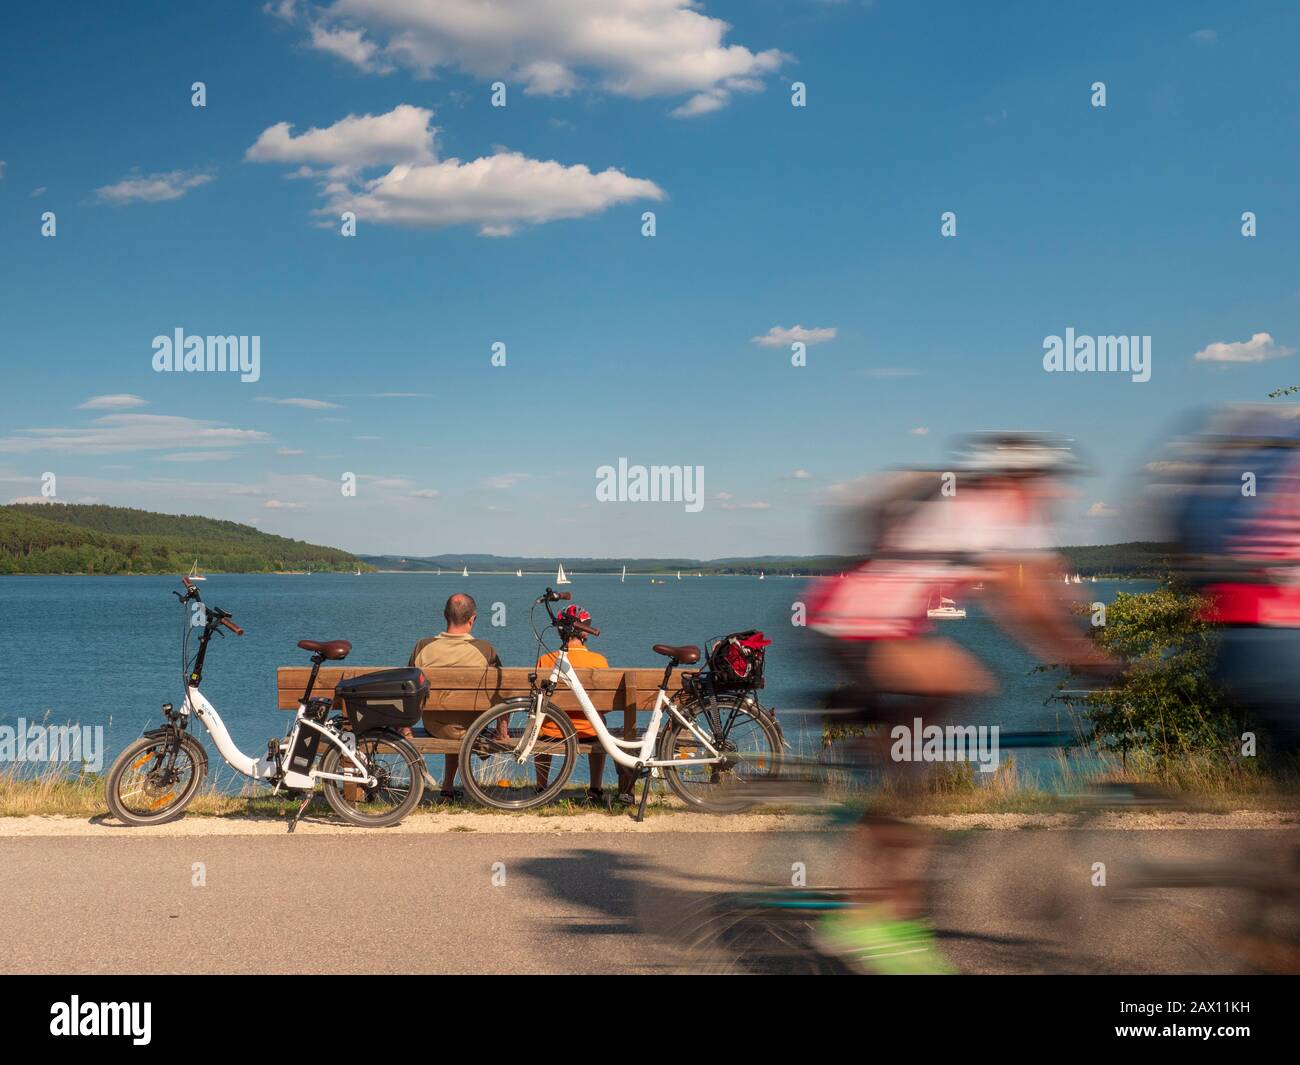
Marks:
<point>522,224</point>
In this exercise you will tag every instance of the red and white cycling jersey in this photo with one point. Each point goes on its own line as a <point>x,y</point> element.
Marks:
<point>950,542</point>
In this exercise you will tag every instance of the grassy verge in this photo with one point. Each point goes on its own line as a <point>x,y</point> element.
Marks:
<point>1199,785</point>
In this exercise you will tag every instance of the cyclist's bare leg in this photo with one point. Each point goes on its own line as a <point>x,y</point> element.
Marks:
<point>888,859</point>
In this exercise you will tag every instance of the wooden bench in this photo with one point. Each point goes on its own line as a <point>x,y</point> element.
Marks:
<point>463,689</point>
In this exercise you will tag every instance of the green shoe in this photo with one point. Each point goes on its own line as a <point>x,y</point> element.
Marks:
<point>877,943</point>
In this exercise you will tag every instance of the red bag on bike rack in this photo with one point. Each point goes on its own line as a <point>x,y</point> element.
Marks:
<point>736,660</point>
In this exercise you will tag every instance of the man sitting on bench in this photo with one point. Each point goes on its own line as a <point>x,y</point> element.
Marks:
<point>454,647</point>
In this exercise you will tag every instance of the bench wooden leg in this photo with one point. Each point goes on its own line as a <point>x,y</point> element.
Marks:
<point>627,777</point>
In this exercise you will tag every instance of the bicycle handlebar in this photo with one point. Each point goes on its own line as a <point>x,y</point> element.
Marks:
<point>232,626</point>
<point>578,626</point>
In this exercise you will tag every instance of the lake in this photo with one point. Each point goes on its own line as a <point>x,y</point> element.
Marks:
<point>107,651</point>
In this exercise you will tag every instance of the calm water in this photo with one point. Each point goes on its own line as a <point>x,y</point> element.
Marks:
<point>106,650</point>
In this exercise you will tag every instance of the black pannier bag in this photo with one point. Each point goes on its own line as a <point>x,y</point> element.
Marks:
<point>387,698</point>
<point>736,660</point>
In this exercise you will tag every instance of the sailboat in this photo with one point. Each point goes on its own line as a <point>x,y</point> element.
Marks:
<point>560,578</point>
<point>679,575</point>
<point>947,608</point>
<point>1078,579</point>
<point>762,575</point>
<point>464,571</point>
<point>519,573</point>
<point>624,577</point>
<point>194,573</point>
<point>1067,578</point>
<point>358,573</point>
<point>1094,580</point>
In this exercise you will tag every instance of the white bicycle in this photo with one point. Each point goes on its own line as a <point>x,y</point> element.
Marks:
<point>372,778</point>
<point>710,748</point>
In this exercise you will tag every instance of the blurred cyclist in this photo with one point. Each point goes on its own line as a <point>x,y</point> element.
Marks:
<point>986,523</point>
<point>1236,521</point>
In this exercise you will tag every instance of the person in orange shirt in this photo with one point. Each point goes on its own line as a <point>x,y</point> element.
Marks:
<point>579,658</point>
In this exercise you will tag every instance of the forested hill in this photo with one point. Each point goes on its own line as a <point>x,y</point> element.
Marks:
<point>1148,560</point>
<point>81,538</point>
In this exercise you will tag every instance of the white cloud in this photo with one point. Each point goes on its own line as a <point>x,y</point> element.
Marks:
<point>286,10</point>
<point>779,336</point>
<point>1259,348</point>
<point>306,404</point>
<point>402,135</point>
<point>1204,36</point>
<point>702,103</point>
<point>37,499</point>
<point>116,401</point>
<point>636,48</point>
<point>497,193</point>
<point>756,505</point>
<point>798,475</point>
<point>289,451</point>
<point>38,191</point>
<point>424,493</point>
<point>350,45</point>
<point>506,480</point>
<point>280,504</point>
<point>1102,510</point>
<point>151,188</point>
<point>920,430</point>
<point>890,371</point>
<point>198,456</point>
<point>131,432</point>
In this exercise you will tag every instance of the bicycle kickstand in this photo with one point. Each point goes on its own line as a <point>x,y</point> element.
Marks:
<point>301,809</point>
<point>645,794</point>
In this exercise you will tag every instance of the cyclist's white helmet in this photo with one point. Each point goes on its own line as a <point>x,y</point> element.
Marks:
<point>1018,453</point>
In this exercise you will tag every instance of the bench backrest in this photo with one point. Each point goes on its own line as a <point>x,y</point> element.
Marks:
<point>468,688</point>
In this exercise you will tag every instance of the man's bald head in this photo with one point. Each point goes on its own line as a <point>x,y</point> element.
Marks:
<point>460,610</point>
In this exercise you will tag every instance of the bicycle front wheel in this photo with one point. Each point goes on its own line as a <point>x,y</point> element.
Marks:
<point>494,769</point>
<point>147,787</point>
<point>398,769</point>
<point>741,730</point>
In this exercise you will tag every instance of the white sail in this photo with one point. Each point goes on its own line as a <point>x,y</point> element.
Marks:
<point>519,573</point>
<point>194,573</point>
<point>679,575</point>
<point>761,575</point>
<point>560,578</point>
<point>624,577</point>
<point>464,571</point>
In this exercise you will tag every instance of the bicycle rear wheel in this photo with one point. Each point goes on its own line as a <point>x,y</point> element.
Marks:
<point>739,728</point>
<point>491,767</point>
<point>399,771</point>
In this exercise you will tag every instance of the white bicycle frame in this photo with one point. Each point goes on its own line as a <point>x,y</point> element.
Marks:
<point>265,768</point>
<point>617,749</point>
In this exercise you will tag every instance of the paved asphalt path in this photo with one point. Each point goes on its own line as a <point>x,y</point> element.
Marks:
<point>1005,901</point>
